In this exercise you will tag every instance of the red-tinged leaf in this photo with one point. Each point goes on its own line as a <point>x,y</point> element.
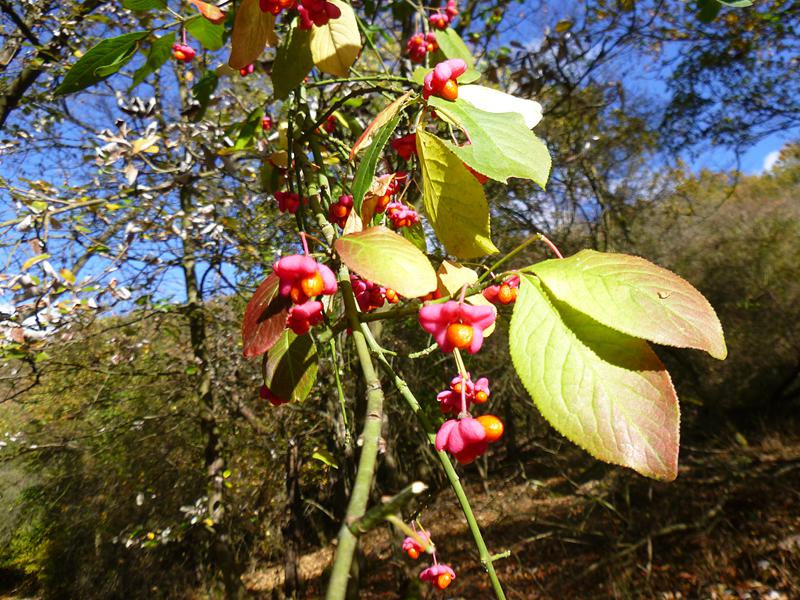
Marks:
<point>606,391</point>
<point>252,30</point>
<point>264,318</point>
<point>379,121</point>
<point>634,296</point>
<point>380,255</point>
<point>209,11</point>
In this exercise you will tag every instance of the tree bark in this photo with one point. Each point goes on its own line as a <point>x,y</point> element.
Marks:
<point>214,450</point>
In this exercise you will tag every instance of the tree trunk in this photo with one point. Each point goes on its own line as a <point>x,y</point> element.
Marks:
<point>222,555</point>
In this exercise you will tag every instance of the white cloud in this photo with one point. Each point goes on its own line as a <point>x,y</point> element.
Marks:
<point>770,160</point>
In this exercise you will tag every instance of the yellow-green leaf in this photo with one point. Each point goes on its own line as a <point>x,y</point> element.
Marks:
<point>335,45</point>
<point>606,391</point>
<point>380,255</point>
<point>454,200</point>
<point>634,296</point>
<point>34,260</point>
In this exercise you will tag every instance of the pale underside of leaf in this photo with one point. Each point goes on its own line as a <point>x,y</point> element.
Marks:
<point>501,145</point>
<point>635,296</point>
<point>454,201</point>
<point>604,390</point>
<point>495,101</point>
<point>335,45</point>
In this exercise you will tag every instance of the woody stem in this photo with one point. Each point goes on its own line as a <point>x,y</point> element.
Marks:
<point>487,560</point>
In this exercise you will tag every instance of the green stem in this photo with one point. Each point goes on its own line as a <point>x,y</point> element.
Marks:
<point>337,585</point>
<point>352,79</point>
<point>339,390</point>
<point>487,559</point>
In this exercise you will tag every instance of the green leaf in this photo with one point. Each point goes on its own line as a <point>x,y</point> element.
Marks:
<point>454,200</point>
<point>101,61</point>
<point>325,457</point>
<point>736,3</point>
<point>160,51</point>
<point>252,30</point>
<point>292,62</point>
<point>143,5</point>
<point>502,145</point>
<point>271,179</point>
<point>207,33</point>
<point>604,390</point>
<point>249,129</point>
<point>336,45</point>
<point>202,91</point>
<point>452,46</point>
<point>264,318</point>
<point>708,10</point>
<point>634,296</point>
<point>290,367</point>
<point>366,168</point>
<point>380,255</point>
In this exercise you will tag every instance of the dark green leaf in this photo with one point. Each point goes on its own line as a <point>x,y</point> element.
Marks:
<point>143,5</point>
<point>202,91</point>
<point>160,51</point>
<point>112,54</point>
<point>290,367</point>
<point>292,62</point>
<point>708,10</point>
<point>366,169</point>
<point>249,129</point>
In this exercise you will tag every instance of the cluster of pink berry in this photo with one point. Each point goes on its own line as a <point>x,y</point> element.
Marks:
<point>248,70</point>
<point>504,293</point>
<point>401,214</point>
<point>301,280</point>
<point>464,437</point>
<point>287,201</point>
<point>442,17</point>
<point>458,326</point>
<point>439,575</point>
<point>419,45</point>
<point>371,296</point>
<point>442,80</point>
<point>183,52</point>
<point>339,211</point>
<point>266,123</point>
